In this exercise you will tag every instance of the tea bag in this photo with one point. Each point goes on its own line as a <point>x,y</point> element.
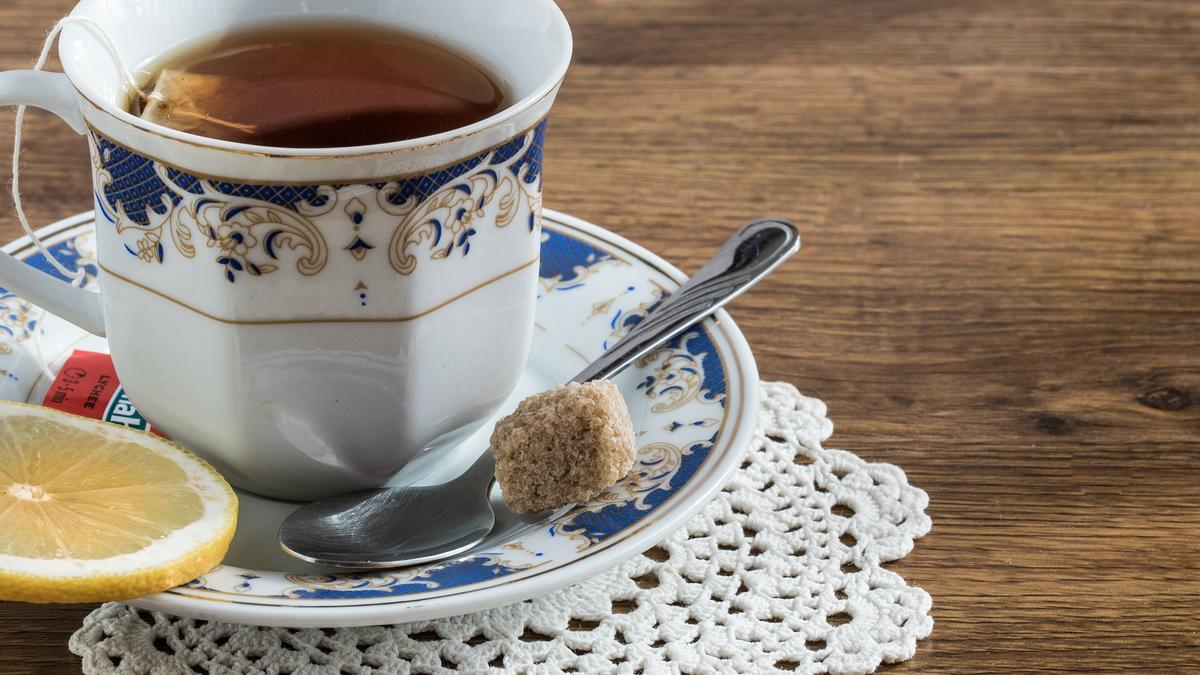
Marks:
<point>177,102</point>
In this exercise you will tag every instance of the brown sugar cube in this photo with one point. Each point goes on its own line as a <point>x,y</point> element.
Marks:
<point>563,446</point>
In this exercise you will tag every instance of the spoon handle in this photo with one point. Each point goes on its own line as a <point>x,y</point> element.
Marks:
<point>749,255</point>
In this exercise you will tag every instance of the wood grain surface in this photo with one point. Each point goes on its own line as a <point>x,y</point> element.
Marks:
<point>999,289</point>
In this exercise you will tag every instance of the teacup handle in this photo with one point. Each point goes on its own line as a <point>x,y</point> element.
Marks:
<point>52,92</point>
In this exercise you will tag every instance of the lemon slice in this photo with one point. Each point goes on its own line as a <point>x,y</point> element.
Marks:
<point>90,511</point>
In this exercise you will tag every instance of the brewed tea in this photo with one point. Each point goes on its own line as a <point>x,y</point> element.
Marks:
<point>317,85</point>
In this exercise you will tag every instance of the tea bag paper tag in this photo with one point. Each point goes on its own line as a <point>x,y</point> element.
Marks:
<point>87,385</point>
<point>178,98</point>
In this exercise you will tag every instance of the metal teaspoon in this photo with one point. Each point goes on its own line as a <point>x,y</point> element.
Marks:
<point>394,527</point>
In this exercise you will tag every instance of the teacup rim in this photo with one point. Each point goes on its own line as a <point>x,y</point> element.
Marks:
<point>548,86</point>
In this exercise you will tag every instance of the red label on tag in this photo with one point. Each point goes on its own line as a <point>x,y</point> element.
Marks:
<point>87,385</point>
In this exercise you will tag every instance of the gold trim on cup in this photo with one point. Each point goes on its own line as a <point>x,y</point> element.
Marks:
<point>351,319</point>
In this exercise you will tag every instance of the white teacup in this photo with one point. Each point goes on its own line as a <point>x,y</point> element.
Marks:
<point>308,320</point>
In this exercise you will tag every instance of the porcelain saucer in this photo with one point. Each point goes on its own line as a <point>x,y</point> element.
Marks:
<point>694,405</point>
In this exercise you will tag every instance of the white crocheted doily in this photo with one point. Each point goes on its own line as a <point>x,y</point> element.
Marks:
<point>784,570</point>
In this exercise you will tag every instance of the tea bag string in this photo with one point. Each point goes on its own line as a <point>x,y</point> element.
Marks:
<point>77,275</point>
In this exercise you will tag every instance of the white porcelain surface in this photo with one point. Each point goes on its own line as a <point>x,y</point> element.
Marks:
<point>694,406</point>
<point>309,320</point>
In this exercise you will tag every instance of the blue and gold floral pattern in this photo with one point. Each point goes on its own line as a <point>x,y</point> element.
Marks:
<point>253,230</point>
<point>16,321</point>
<point>567,263</point>
<point>446,219</point>
<point>19,318</point>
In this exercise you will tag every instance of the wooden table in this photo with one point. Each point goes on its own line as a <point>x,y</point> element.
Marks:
<point>999,290</point>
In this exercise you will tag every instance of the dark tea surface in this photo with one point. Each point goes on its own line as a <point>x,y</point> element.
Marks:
<point>310,85</point>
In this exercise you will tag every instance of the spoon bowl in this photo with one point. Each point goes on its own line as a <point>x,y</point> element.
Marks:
<point>389,527</point>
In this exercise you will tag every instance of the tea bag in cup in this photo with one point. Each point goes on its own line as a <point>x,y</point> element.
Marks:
<point>177,101</point>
